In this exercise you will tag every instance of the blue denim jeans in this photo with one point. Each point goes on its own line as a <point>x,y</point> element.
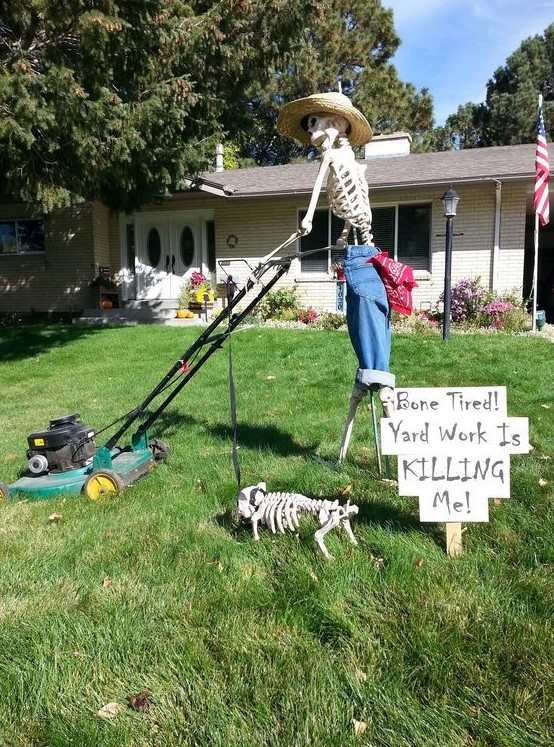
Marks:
<point>368,318</point>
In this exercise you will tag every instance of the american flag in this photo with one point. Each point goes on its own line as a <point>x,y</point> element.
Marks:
<point>542,174</point>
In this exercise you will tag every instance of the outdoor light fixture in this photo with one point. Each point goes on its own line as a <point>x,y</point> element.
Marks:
<point>450,202</point>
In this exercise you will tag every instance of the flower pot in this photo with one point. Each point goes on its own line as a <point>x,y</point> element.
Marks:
<point>105,303</point>
<point>540,319</point>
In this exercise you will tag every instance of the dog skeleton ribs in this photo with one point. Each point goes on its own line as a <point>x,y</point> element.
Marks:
<point>280,512</point>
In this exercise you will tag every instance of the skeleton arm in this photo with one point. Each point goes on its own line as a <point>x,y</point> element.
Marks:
<point>306,225</point>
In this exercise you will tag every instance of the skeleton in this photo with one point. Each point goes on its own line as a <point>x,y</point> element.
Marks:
<point>347,188</point>
<point>348,195</point>
<point>347,192</point>
<point>279,512</point>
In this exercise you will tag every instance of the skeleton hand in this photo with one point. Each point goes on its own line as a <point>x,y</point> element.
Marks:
<point>305,226</point>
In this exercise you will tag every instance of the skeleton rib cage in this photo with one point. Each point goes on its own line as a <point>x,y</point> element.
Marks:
<point>348,192</point>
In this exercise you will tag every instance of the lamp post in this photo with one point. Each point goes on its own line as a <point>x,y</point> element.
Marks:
<point>450,202</point>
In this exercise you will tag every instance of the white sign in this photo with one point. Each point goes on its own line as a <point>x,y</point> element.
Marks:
<point>440,434</point>
<point>454,505</point>
<point>453,447</point>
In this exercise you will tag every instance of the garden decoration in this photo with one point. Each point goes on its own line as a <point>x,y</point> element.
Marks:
<point>279,512</point>
<point>331,123</point>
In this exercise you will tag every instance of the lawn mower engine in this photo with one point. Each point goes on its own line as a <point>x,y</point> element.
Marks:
<point>67,444</point>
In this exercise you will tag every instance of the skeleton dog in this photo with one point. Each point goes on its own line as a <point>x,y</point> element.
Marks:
<point>280,512</point>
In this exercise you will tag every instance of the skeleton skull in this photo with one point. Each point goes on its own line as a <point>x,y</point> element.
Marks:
<point>325,128</point>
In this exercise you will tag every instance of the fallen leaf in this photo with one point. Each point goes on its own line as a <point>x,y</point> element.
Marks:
<point>543,482</point>
<point>359,727</point>
<point>106,581</point>
<point>140,701</point>
<point>546,407</point>
<point>497,501</point>
<point>347,490</point>
<point>270,378</point>
<point>378,562</point>
<point>360,676</point>
<point>110,710</point>
<point>419,562</point>
<point>53,518</point>
<point>313,576</point>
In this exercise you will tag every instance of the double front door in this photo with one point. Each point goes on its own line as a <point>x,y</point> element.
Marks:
<point>168,247</point>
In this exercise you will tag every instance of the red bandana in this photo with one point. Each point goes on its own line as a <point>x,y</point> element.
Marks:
<point>398,280</point>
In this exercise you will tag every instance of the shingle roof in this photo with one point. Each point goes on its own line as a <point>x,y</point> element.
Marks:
<point>419,169</point>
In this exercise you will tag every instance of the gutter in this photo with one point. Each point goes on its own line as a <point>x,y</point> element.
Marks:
<point>236,194</point>
<point>496,245</point>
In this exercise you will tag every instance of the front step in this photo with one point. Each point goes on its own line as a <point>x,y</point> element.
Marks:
<point>138,312</point>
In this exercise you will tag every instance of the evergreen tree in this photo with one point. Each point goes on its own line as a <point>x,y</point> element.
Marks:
<point>351,42</point>
<point>118,100</point>
<point>509,114</point>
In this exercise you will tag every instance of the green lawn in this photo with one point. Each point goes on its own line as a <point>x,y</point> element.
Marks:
<point>250,644</point>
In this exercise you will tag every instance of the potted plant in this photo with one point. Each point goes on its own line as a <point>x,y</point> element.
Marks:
<point>194,292</point>
<point>338,270</point>
<point>105,289</point>
<point>183,311</point>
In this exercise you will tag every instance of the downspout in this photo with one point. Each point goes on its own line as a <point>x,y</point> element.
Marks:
<point>496,246</point>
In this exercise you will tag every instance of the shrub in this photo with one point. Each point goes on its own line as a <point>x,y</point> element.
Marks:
<point>422,322</point>
<point>328,320</point>
<point>282,304</point>
<point>467,299</point>
<point>307,316</point>
<point>474,306</point>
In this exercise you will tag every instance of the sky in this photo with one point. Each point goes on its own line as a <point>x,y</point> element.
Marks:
<point>454,48</point>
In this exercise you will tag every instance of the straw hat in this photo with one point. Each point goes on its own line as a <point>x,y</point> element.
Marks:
<point>293,117</point>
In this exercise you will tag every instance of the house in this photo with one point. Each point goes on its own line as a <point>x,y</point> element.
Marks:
<point>47,263</point>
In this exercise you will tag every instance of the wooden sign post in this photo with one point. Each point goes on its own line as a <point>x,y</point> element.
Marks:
<point>453,448</point>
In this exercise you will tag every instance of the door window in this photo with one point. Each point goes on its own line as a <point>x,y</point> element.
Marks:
<point>154,247</point>
<point>187,246</point>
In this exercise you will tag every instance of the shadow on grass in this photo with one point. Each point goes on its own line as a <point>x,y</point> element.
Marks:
<point>28,340</point>
<point>264,437</point>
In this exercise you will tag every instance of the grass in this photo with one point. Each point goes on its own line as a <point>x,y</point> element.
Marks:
<point>248,644</point>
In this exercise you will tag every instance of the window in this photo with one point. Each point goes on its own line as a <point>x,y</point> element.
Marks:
<point>21,236</point>
<point>326,229</point>
<point>404,231</point>
<point>153,247</point>
<point>187,246</point>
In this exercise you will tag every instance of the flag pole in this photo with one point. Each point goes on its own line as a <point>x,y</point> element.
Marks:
<point>536,251</point>
<point>535,271</point>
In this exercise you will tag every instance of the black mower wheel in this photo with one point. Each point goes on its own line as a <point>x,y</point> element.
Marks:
<point>102,483</point>
<point>159,449</point>
<point>4,491</point>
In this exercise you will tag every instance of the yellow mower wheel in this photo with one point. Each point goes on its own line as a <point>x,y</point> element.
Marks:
<point>103,482</point>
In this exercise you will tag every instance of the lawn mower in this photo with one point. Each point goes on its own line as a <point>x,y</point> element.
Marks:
<point>63,459</point>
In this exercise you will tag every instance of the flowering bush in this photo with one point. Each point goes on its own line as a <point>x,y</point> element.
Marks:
<point>467,299</point>
<point>194,289</point>
<point>307,316</point>
<point>496,310</point>
<point>472,306</point>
